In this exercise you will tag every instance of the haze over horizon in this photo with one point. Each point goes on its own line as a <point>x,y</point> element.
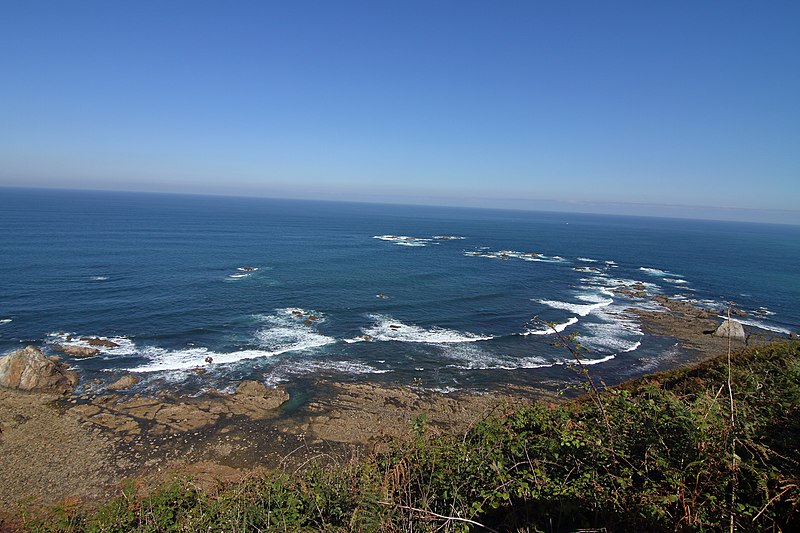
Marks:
<point>681,109</point>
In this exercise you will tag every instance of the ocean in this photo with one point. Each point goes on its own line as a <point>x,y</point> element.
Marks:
<point>289,291</point>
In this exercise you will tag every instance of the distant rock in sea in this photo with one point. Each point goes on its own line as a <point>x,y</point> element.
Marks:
<point>95,341</point>
<point>76,351</point>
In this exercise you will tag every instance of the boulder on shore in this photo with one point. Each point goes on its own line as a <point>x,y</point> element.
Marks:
<point>732,329</point>
<point>28,369</point>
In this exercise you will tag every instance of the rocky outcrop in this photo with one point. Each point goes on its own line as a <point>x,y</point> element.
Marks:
<point>124,382</point>
<point>96,341</point>
<point>76,351</point>
<point>682,307</point>
<point>732,329</point>
<point>28,369</point>
<point>255,399</point>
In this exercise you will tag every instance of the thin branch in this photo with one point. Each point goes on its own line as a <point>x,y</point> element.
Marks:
<point>440,516</point>
<point>784,491</point>
<point>733,434</point>
<point>585,372</point>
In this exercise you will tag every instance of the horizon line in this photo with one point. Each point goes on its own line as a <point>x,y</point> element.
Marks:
<point>601,208</point>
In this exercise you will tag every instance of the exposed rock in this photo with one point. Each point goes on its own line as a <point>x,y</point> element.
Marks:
<point>77,351</point>
<point>630,293</point>
<point>360,412</point>
<point>252,389</point>
<point>254,399</point>
<point>29,369</point>
<point>682,307</point>
<point>732,329</point>
<point>94,341</point>
<point>123,383</point>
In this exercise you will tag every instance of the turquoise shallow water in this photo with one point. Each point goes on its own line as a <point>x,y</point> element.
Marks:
<point>282,290</point>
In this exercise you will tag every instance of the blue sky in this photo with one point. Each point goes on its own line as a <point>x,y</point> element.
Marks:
<point>672,108</point>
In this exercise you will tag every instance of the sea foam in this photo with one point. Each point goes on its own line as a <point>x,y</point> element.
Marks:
<point>387,328</point>
<point>579,309</point>
<point>472,357</point>
<point>549,330</point>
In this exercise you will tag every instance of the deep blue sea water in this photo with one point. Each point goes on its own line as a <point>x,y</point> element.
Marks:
<point>283,290</point>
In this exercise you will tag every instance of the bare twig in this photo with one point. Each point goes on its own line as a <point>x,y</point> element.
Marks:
<point>437,515</point>
<point>733,435</point>
<point>585,372</point>
<point>784,491</point>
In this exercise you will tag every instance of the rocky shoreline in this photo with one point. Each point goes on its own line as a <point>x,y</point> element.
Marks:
<point>56,446</point>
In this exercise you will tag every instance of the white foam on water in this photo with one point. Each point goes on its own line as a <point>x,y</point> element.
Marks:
<point>758,324</point>
<point>161,359</point>
<point>677,281</point>
<point>611,336</point>
<point>590,361</point>
<point>444,390</point>
<point>579,309</point>
<point>513,254</point>
<point>471,357</point>
<point>247,269</point>
<point>449,237</point>
<point>387,328</point>
<point>405,240</point>
<point>288,330</point>
<point>284,331</point>
<point>765,311</point>
<point>5,321</point>
<point>587,260</point>
<point>658,272</point>
<point>283,372</point>
<point>611,263</point>
<point>549,330</point>
<point>344,367</point>
<point>99,278</point>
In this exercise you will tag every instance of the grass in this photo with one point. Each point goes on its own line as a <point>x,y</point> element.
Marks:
<point>677,464</point>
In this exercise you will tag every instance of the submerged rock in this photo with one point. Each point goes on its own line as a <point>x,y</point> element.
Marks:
<point>28,369</point>
<point>732,329</point>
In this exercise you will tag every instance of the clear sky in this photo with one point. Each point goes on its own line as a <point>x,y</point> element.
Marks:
<point>683,107</point>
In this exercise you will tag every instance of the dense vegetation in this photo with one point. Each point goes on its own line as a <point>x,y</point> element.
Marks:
<point>663,453</point>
